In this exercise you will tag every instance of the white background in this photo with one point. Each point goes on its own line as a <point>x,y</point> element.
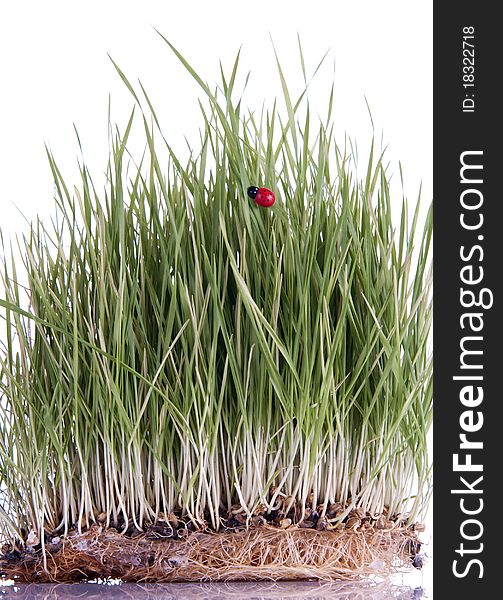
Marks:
<point>55,72</point>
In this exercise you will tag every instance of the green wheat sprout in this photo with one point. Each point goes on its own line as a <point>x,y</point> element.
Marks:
<point>178,348</point>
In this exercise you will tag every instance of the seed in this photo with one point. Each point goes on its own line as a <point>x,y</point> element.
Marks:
<point>306,524</point>
<point>260,509</point>
<point>353,522</point>
<point>172,519</point>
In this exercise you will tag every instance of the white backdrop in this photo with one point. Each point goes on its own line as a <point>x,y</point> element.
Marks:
<point>55,72</point>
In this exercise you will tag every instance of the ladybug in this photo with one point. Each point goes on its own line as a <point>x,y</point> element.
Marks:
<point>262,196</point>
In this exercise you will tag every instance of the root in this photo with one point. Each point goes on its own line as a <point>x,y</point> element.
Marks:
<point>249,554</point>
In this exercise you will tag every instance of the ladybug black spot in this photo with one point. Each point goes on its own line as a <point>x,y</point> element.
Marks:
<point>252,191</point>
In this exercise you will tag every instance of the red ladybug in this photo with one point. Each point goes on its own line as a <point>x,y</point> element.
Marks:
<point>262,196</point>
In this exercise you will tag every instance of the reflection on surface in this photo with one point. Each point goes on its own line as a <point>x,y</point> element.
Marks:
<point>213,591</point>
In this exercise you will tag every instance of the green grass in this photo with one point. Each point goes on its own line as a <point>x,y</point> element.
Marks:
<point>179,347</point>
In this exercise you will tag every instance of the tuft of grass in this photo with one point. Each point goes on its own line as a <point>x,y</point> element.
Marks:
<point>180,348</point>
